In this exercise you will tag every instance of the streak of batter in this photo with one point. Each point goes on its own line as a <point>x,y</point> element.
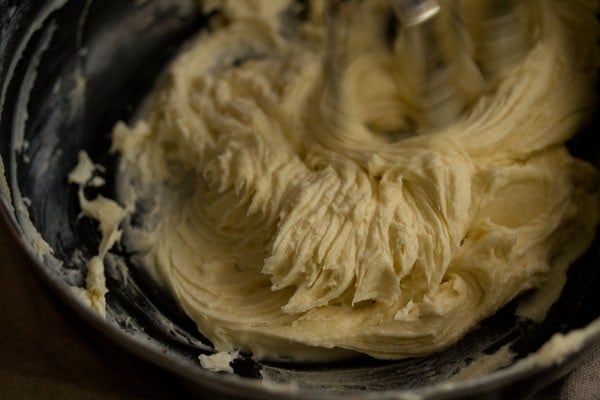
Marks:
<point>298,216</point>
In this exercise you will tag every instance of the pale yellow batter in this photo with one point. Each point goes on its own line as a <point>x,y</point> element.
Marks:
<point>296,216</point>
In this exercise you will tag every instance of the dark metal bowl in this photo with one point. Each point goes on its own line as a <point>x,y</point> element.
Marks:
<point>68,71</point>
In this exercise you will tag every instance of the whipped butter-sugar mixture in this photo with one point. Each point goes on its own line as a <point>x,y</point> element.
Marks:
<point>298,214</point>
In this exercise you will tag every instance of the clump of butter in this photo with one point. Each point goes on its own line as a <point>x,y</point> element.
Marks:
<point>109,214</point>
<point>285,224</point>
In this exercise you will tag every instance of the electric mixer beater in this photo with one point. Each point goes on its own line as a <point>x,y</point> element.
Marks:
<point>450,67</point>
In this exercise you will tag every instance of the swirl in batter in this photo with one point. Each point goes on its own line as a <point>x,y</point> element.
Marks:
<point>298,215</point>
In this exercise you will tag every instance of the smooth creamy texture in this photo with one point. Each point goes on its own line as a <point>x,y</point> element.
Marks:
<point>274,206</point>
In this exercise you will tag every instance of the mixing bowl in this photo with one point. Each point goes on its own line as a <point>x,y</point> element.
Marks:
<point>68,71</point>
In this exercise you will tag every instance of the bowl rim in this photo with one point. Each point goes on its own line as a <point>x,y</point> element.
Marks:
<point>239,386</point>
